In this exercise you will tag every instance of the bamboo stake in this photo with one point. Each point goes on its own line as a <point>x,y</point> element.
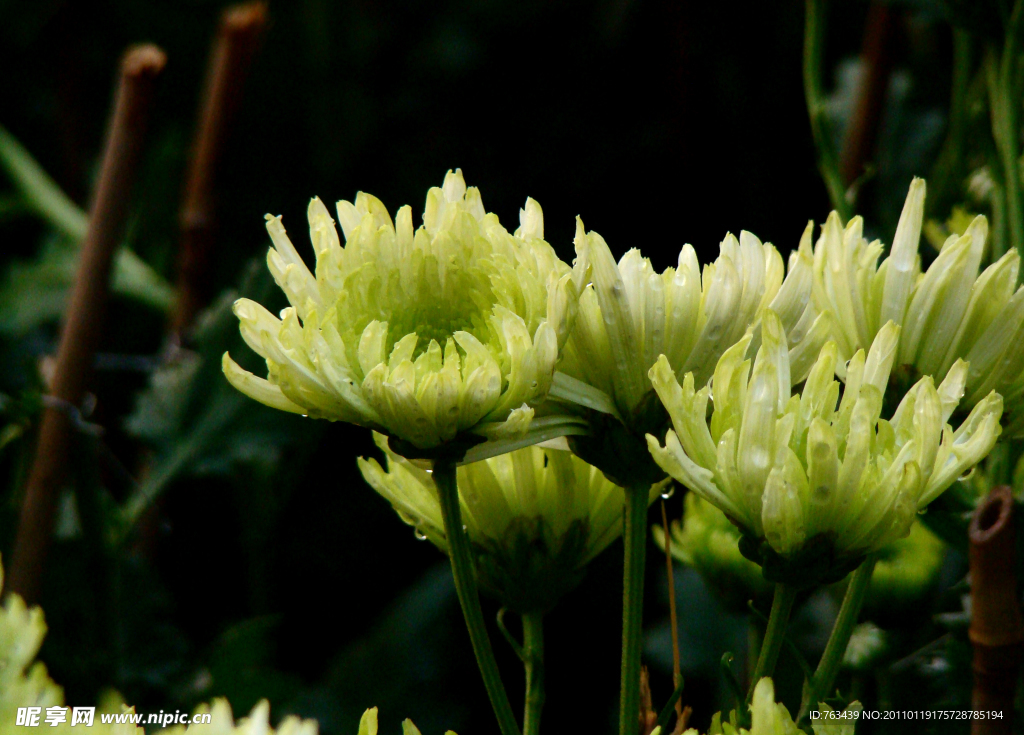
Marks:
<point>997,626</point>
<point>238,36</point>
<point>140,67</point>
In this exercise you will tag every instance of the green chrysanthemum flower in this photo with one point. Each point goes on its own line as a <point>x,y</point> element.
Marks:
<point>534,516</point>
<point>768,717</point>
<point>368,725</point>
<point>629,315</point>
<point>424,335</point>
<point>814,486</point>
<point>948,313</point>
<point>709,543</point>
<point>222,722</point>
<point>23,680</point>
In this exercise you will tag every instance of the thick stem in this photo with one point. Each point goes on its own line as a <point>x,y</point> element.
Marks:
<point>828,163</point>
<point>775,634</point>
<point>825,675</point>
<point>634,537</point>
<point>469,598</point>
<point>533,661</point>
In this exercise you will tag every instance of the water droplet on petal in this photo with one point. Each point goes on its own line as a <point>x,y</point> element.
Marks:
<point>420,536</point>
<point>669,493</point>
<point>967,475</point>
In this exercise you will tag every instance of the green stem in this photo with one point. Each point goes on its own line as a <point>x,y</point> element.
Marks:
<point>469,598</point>
<point>1003,77</point>
<point>828,667</point>
<point>775,634</point>
<point>828,161</point>
<point>634,537</point>
<point>533,661</point>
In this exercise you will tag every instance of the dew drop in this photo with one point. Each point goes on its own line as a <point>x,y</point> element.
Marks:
<point>420,536</point>
<point>465,527</point>
<point>669,493</point>
<point>305,415</point>
<point>967,475</point>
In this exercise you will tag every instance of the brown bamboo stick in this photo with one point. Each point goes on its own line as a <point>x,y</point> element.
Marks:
<point>238,37</point>
<point>997,626</point>
<point>83,323</point>
<point>877,57</point>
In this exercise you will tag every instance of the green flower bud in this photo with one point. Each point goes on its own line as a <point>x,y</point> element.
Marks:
<point>953,311</point>
<point>709,543</point>
<point>534,516</point>
<point>905,572</point>
<point>425,335</point>
<point>815,486</point>
<point>866,647</point>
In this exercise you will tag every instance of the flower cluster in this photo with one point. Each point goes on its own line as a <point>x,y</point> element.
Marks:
<point>422,334</point>
<point>952,311</point>
<point>810,481</point>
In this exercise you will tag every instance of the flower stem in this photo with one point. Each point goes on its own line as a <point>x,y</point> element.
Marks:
<point>634,537</point>
<point>828,667</point>
<point>774,635</point>
<point>469,598</point>
<point>533,661</point>
<point>828,162</point>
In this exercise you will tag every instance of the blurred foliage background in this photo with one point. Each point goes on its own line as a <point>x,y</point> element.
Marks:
<point>267,568</point>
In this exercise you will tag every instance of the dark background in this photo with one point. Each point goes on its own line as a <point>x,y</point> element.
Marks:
<point>660,123</point>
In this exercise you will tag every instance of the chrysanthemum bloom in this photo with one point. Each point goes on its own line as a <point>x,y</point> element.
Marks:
<point>222,722</point>
<point>947,313</point>
<point>425,335</point>
<point>23,680</point>
<point>368,725</point>
<point>708,542</point>
<point>816,487</point>
<point>768,717</point>
<point>535,517</point>
<point>630,315</point>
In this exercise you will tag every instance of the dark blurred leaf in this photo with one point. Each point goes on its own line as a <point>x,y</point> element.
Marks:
<point>195,420</point>
<point>403,666</point>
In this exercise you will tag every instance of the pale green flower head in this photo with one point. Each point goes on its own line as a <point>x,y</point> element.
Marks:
<point>709,543</point>
<point>768,717</point>
<point>23,680</point>
<point>534,516</point>
<point>425,334</point>
<point>816,485</point>
<point>222,722</point>
<point>950,312</point>
<point>368,725</point>
<point>629,315</point>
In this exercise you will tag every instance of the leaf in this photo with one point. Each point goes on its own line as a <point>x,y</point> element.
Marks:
<point>36,292</point>
<point>195,421</point>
